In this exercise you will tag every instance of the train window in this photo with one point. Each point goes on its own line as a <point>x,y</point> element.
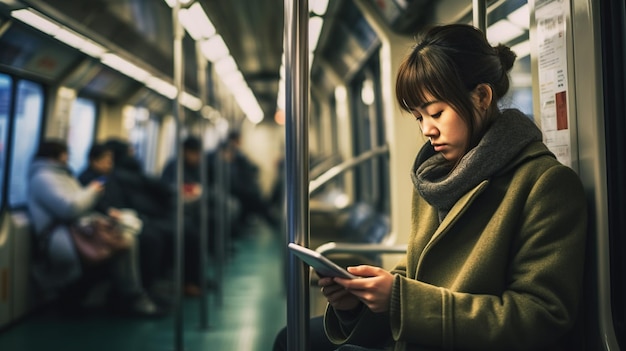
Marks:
<point>144,134</point>
<point>26,131</point>
<point>81,133</point>
<point>151,143</point>
<point>508,23</point>
<point>371,178</point>
<point>5,103</point>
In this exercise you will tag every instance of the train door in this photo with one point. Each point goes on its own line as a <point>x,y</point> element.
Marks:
<point>612,20</point>
<point>578,55</point>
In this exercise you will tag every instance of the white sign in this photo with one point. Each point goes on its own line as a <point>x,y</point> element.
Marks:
<point>550,17</point>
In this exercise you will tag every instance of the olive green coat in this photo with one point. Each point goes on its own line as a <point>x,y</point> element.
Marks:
<point>503,271</point>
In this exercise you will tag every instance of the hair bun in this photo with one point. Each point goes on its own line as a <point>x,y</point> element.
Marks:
<point>507,57</point>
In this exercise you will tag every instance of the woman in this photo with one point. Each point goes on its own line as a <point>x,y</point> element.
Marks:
<point>495,256</point>
<point>55,199</point>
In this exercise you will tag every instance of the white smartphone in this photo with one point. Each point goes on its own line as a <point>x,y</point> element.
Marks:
<point>322,265</point>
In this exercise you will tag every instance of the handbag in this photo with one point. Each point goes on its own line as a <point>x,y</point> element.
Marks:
<point>97,238</point>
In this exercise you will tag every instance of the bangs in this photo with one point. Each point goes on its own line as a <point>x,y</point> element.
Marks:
<point>422,76</point>
<point>411,90</point>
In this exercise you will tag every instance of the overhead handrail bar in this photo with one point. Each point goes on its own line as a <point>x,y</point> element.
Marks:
<point>341,168</point>
<point>324,165</point>
<point>338,247</point>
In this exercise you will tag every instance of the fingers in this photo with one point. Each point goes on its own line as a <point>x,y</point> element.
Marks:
<point>334,293</point>
<point>366,271</point>
<point>374,290</point>
<point>372,300</point>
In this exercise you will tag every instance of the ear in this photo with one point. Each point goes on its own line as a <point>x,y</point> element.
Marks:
<point>483,94</point>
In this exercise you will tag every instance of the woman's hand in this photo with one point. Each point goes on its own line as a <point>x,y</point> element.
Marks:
<point>338,297</point>
<point>374,289</point>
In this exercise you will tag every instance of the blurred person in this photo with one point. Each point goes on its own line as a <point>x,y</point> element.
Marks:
<point>99,166</point>
<point>55,200</point>
<point>243,178</point>
<point>192,153</point>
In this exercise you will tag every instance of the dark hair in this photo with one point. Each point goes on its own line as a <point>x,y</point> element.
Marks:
<point>51,149</point>
<point>120,149</point>
<point>192,143</point>
<point>448,63</point>
<point>234,135</point>
<point>97,151</point>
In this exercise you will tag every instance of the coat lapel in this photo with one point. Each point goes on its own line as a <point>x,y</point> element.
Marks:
<point>457,210</point>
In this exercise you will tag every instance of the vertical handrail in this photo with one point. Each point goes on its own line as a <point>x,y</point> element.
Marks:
<point>221,169</point>
<point>297,168</point>
<point>479,15</point>
<point>204,198</point>
<point>179,119</point>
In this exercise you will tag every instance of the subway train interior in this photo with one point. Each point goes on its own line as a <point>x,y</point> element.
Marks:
<point>307,90</point>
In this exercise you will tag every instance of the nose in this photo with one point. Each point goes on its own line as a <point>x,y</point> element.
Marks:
<point>429,129</point>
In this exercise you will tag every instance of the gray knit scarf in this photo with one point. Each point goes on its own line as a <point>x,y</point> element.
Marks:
<point>441,186</point>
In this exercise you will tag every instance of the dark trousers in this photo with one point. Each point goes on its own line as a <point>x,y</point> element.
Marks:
<point>317,337</point>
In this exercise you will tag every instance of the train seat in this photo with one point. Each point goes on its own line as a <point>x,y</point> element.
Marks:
<point>17,294</point>
<point>356,224</point>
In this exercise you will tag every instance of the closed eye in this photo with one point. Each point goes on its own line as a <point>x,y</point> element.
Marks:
<point>436,115</point>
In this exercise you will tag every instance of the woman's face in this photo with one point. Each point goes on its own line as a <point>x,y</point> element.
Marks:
<point>445,129</point>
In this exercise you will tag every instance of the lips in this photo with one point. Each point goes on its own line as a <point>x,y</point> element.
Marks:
<point>438,147</point>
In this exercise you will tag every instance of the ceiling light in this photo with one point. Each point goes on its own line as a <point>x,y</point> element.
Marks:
<point>196,22</point>
<point>36,20</point>
<point>315,28</point>
<point>162,87</point>
<point>172,3</point>
<point>522,49</point>
<point>503,31</point>
<point>520,17</point>
<point>214,48</point>
<point>318,7</point>
<point>191,102</point>
<point>226,65</point>
<point>125,67</point>
<point>76,41</point>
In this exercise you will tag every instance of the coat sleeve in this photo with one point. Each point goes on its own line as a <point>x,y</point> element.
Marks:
<point>366,328</point>
<point>540,300</point>
<point>63,197</point>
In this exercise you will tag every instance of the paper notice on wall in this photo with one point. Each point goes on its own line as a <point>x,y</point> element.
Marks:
<point>550,16</point>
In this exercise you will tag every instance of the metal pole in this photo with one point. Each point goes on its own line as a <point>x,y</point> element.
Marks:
<point>204,197</point>
<point>220,167</point>
<point>179,119</point>
<point>297,168</point>
<point>479,14</point>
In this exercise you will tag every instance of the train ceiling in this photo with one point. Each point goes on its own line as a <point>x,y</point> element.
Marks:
<point>252,30</point>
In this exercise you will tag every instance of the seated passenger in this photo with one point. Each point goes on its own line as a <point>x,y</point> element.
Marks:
<point>100,164</point>
<point>154,202</point>
<point>56,199</point>
<point>128,188</point>
<point>495,254</point>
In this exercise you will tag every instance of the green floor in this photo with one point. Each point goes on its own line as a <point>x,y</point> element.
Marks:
<point>253,309</point>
